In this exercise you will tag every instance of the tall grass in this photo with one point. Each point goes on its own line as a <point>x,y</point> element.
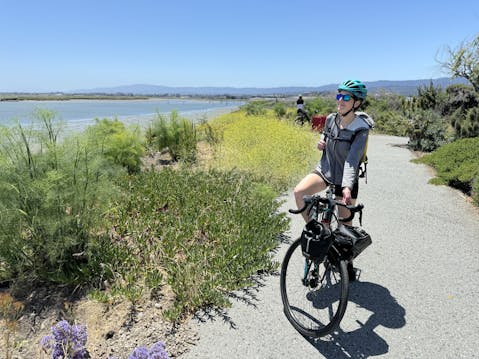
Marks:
<point>52,196</point>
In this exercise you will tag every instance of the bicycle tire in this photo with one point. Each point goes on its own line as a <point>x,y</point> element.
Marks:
<point>299,120</point>
<point>313,311</point>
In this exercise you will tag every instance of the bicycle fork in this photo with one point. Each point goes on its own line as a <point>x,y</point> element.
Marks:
<point>310,277</point>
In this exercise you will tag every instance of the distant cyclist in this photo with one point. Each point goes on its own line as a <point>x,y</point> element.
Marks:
<point>343,143</point>
<point>300,105</point>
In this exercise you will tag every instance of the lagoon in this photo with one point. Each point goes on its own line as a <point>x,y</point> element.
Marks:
<point>78,114</point>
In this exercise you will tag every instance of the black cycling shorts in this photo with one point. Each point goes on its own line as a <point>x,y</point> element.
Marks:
<point>338,190</point>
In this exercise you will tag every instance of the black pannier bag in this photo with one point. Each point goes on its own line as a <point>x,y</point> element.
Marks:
<point>352,240</point>
<point>316,240</point>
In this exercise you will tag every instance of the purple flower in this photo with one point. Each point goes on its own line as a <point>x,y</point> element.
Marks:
<point>157,351</point>
<point>61,331</point>
<point>139,353</point>
<point>66,341</point>
<point>47,342</point>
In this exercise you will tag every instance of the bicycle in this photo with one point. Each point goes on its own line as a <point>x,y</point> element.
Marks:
<point>314,278</point>
<point>301,117</point>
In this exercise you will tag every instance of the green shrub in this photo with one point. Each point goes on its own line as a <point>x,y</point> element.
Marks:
<point>391,123</point>
<point>466,124</point>
<point>255,108</point>
<point>176,134</point>
<point>459,97</point>
<point>457,165</point>
<point>320,105</point>
<point>118,144</point>
<point>208,230</point>
<point>427,131</point>
<point>280,109</point>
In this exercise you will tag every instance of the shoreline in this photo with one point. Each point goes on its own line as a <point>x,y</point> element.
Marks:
<point>77,114</point>
<point>13,97</point>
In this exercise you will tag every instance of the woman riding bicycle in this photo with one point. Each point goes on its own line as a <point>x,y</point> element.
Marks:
<point>343,143</point>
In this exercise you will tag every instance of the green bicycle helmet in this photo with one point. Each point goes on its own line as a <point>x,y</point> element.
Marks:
<point>356,87</point>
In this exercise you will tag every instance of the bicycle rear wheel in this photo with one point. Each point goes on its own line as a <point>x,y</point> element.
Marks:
<point>314,295</point>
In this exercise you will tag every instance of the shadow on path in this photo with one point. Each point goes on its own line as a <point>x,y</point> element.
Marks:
<point>364,341</point>
<point>248,296</point>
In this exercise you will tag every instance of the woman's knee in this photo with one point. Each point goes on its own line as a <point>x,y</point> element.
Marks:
<point>310,184</point>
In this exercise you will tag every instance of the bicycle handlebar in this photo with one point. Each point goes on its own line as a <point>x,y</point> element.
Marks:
<point>332,202</point>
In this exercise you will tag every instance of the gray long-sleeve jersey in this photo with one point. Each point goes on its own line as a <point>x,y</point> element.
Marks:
<point>340,161</point>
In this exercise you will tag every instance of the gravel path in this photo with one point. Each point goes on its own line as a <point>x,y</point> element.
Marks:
<point>418,291</point>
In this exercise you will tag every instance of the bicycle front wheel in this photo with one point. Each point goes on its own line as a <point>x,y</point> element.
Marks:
<point>299,120</point>
<point>314,295</point>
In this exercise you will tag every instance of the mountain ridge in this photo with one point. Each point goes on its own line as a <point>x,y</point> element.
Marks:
<point>403,87</point>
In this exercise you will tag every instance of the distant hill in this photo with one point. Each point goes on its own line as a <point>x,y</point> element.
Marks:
<point>405,88</point>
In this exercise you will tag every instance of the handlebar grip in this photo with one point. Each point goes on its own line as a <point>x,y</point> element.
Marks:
<point>353,209</point>
<point>297,211</point>
<point>307,201</point>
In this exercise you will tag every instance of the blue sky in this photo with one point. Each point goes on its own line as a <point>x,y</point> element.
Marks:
<point>67,45</point>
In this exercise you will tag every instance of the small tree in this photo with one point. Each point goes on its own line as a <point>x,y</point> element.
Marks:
<point>464,62</point>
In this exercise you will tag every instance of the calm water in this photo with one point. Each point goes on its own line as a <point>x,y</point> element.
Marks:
<point>77,114</point>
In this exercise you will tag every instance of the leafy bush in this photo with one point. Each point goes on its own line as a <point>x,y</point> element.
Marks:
<point>466,124</point>
<point>320,105</point>
<point>208,231</point>
<point>176,134</point>
<point>457,165</point>
<point>459,97</point>
<point>427,131</point>
<point>280,109</point>
<point>255,108</point>
<point>118,144</point>
<point>391,123</point>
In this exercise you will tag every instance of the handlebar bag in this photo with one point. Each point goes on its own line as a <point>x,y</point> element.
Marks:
<point>352,240</point>
<point>316,240</point>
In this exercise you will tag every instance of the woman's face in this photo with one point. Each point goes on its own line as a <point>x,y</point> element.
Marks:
<point>345,101</point>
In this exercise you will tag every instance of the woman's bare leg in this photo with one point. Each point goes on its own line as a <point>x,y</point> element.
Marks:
<point>309,185</point>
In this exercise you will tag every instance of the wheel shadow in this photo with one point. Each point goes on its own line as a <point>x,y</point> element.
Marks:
<point>364,342</point>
